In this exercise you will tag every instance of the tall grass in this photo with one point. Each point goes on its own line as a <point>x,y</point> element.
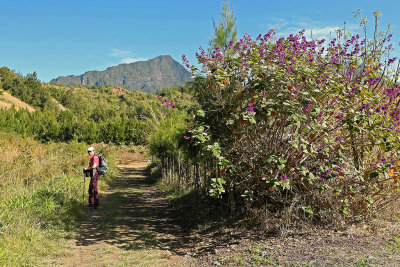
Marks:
<point>40,196</point>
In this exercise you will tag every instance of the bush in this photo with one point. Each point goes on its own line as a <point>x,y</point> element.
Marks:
<point>306,130</point>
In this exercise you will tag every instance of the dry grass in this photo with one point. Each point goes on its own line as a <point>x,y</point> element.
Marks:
<point>40,196</point>
<point>25,163</point>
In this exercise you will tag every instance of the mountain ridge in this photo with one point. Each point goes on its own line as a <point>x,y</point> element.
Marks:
<point>148,76</point>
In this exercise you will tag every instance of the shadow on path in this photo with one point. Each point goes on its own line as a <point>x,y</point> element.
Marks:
<point>133,215</point>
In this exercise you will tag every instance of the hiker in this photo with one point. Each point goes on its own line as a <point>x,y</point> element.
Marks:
<point>94,178</point>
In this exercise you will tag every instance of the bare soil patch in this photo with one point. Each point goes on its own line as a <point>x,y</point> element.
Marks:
<point>7,100</point>
<point>319,249</point>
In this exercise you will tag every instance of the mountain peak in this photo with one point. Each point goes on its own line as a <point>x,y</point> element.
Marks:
<point>148,76</point>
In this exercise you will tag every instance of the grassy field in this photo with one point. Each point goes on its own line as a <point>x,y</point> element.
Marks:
<point>41,196</point>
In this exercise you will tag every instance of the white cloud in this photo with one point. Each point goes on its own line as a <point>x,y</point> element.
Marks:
<point>314,29</point>
<point>124,56</point>
<point>128,60</point>
<point>326,32</point>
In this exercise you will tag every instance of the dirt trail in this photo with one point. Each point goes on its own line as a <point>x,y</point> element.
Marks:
<point>132,226</point>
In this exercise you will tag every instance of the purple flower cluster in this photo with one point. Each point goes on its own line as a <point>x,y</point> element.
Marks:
<point>393,92</point>
<point>395,114</point>
<point>250,108</point>
<point>286,53</point>
<point>307,106</point>
<point>166,102</point>
<point>339,117</point>
<point>325,175</point>
<point>185,61</point>
<point>373,80</point>
<point>391,60</point>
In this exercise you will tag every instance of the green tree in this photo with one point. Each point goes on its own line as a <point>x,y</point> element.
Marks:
<point>6,78</point>
<point>226,30</point>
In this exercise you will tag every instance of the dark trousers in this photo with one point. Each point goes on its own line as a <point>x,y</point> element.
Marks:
<point>93,192</point>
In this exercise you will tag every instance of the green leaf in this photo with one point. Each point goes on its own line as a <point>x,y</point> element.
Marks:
<point>221,181</point>
<point>337,190</point>
<point>344,211</point>
<point>200,113</point>
<point>307,210</point>
<point>286,185</point>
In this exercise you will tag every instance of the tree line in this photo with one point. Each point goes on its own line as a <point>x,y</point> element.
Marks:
<point>92,114</point>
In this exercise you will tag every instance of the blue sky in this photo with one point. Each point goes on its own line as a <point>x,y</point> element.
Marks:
<point>57,38</point>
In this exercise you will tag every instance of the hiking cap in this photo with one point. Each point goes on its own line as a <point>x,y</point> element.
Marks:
<point>90,149</point>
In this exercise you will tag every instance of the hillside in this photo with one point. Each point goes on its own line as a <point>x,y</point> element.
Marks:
<point>7,101</point>
<point>148,76</point>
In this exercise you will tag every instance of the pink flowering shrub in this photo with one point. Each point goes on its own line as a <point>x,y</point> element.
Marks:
<point>301,128</point>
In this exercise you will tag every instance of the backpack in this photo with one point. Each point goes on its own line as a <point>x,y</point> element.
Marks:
<point>103,166</point>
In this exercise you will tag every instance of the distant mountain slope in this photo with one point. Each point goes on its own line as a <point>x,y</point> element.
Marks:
<point>147,76</point>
